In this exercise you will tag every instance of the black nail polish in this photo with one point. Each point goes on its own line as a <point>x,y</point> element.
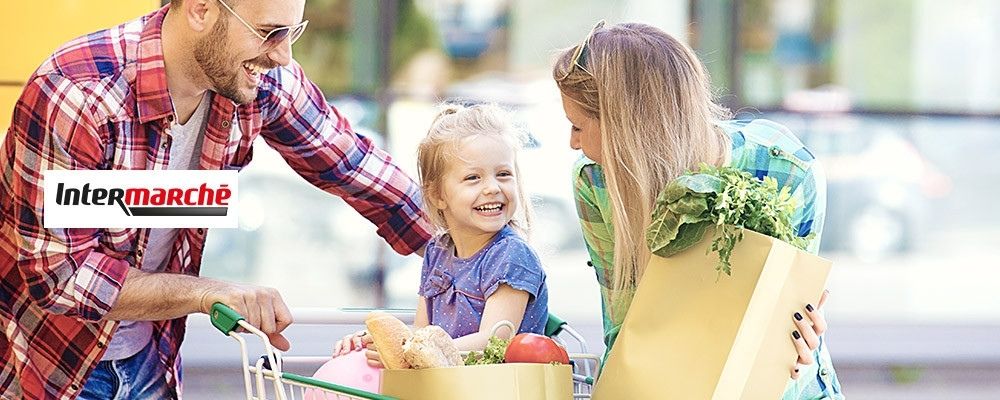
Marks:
<point>809,307</point>
<point>798,317</point>
<point>796,335</point>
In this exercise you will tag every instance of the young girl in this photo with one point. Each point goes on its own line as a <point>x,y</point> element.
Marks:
<point>479,269</point>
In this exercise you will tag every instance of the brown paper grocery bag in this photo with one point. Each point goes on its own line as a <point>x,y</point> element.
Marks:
<point>693,334</point>
<point>517,381</point>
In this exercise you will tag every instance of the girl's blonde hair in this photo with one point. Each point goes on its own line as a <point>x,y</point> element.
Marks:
<point>649,91</point>
<point>453,125</point>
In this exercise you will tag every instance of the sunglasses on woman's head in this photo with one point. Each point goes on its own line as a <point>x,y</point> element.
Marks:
<point>578,56</point>
<point>276,36</point>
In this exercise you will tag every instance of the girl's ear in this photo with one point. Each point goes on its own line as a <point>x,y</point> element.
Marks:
<point>434,196</point>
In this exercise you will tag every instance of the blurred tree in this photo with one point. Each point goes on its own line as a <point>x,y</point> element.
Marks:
<point>329,48</point>
<point>415,32</point>
<point>323,49</point>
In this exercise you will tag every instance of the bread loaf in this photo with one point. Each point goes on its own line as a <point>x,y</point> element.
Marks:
<point>389,334</point>
<point>431,347</point>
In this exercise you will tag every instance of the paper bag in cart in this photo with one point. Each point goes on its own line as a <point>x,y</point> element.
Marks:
<point>691,333</point>
<point>518,381</point>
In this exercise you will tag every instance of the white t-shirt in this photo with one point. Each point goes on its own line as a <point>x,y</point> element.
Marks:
<point>185,151</point>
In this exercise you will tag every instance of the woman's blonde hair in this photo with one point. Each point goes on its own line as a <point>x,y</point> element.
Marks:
<point>649,91</point>
<point>453,125</point>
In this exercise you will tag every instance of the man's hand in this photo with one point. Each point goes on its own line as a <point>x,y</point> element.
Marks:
<point>262,307</point>
<point>809,326</point>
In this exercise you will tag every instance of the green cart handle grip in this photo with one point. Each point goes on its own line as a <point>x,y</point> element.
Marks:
<point>224,319</point>
<point>554,325</point>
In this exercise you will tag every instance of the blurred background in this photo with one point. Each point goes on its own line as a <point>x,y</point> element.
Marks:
<point>899,99</point>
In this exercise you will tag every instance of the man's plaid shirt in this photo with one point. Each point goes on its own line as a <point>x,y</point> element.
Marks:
<point>101,102</point>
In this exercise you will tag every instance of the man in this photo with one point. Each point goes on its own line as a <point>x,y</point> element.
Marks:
<point>100,313</point>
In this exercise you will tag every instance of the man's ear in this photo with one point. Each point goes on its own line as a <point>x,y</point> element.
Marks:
<point>200,15</point>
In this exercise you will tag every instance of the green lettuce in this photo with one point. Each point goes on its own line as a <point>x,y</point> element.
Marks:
<point>492,354</point>
<point>727,199</point>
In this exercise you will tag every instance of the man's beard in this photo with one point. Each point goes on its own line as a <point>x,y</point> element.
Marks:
<point>215,61</point>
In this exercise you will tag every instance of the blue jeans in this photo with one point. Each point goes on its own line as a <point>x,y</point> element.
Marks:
<point>141,376</point>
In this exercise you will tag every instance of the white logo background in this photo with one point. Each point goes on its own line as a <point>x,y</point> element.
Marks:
<point>104,216</point>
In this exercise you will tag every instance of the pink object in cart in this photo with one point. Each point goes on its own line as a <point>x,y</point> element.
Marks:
<point>347,370</point>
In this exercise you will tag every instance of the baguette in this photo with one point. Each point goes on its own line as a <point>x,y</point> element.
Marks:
<point>389,334</point>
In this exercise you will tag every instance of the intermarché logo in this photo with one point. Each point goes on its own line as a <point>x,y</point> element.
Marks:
<point>200,201</point>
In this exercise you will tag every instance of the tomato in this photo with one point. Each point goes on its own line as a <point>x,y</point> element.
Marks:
<point>534,348</point>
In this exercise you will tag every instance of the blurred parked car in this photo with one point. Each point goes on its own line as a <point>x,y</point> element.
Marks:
<point>879,184</point>
<point>469,27</point>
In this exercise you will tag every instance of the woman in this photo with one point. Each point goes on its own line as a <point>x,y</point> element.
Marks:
<point>642,112</point>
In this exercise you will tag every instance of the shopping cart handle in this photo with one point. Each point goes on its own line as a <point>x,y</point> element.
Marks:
<point>345,316</point>
<point>224,319</point>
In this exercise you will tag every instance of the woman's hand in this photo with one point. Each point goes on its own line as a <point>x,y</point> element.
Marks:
<point>352,342</point>
<point>809,325</point>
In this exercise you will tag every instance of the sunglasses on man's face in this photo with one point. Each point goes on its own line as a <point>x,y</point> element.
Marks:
<point>276,36</point>
<point>578,55</point>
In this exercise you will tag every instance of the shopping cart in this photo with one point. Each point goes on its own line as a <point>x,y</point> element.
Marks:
<point>263,377</point>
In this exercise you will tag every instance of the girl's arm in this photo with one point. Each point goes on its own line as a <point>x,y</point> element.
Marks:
<point>420,319</point>
<point>506,303</point>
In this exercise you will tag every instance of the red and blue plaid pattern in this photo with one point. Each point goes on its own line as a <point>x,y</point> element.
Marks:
<point>101,102</point>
